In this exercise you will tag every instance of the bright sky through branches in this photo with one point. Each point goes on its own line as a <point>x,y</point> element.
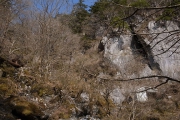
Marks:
<point>86,2</point>
<point>66,7</point>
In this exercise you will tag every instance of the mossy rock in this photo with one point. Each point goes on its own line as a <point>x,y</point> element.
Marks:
<point>8,70</point>
<point>42,90</point>
<point>7,87</point>
<point>23,109</point>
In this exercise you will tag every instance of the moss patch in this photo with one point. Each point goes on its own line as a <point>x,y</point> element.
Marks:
<point>42,90</point>
<point>7,87</point>
<point>24,109</point>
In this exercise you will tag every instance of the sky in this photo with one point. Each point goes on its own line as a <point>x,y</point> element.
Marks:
<point>66,8</point>
<point>87,2</point>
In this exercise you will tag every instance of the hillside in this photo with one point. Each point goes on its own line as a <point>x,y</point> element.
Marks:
<point>117,61</point>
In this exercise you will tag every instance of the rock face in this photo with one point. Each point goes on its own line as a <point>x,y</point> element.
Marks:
<point>154,51</point>
<point>119,52</point>
<point>165,46</point>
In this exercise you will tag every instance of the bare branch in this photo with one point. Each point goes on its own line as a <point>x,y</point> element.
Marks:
<point>165,37</point>
<point>174,51</point>
<point>150,88</point>
<point>150,8</point>
<point>131,14</point>
<point>168,48</point>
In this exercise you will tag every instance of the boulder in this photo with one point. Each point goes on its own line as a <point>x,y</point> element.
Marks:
<point>85,97</point>
<point>117,96</point>
<point>25,110</point>
<point>141,95</point>
<point>144,93</point>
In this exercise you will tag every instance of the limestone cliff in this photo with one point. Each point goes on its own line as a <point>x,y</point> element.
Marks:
<point>151,51</point>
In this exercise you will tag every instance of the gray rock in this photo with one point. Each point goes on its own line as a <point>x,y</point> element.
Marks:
<point>88,117</point>
<point>84,97</point>
<point>168,62</point>
<point>145,93</point>
<point>141,95</point>
<point>118,50</point>
<point>117,96</point>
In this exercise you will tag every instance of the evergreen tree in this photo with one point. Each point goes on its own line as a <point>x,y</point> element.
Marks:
<point>79,14</point>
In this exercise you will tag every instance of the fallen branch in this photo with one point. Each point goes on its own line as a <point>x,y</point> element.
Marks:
<point>14,64</point>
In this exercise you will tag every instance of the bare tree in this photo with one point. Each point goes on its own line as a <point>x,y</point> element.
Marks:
<point>36,31</point>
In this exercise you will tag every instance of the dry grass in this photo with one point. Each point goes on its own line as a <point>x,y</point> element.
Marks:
<point>62,68</point>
